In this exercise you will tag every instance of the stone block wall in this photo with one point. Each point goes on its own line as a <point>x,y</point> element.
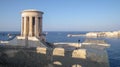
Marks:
<point>53,57</point>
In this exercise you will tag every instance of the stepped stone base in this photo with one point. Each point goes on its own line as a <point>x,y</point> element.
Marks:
<point>27,42</point>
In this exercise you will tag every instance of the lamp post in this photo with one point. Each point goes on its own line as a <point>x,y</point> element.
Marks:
<point>78,43</point>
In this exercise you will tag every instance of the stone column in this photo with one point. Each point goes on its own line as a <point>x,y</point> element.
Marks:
<point>26,26</point>
<point>40,25</point>
<point>22,26</point>
<point>24,34</point>
<point>36,27</point>
<point>30,27</point>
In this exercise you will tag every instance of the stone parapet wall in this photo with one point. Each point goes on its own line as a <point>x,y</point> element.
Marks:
<point>53,57</point>
<point>79,53</point>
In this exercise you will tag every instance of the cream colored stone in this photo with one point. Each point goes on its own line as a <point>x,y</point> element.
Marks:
<point>41,50</point>
<point>57,63</point>
<point>67,45</point>
<point>104,45</point>
<point>31,38</point>
<point>80,53</point>
<point>76,65</point>
<point>31,27</point>
<point>58,52</point>
<point>31,23</point>
<point>91,34</point>
<point>20,37</point>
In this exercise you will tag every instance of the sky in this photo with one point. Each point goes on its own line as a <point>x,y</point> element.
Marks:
<point>63,15</point>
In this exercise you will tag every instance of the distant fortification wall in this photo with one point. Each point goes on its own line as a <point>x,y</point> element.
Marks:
<point>103,34</point>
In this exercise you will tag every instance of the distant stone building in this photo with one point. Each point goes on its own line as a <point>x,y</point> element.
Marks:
<point>103,34</point>
<point>92,34</point>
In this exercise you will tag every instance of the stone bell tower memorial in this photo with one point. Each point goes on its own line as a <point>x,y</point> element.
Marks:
<point>31,23</point>
<point>31,29</point>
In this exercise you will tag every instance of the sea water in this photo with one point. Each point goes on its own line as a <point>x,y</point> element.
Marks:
<point>53,36</point>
